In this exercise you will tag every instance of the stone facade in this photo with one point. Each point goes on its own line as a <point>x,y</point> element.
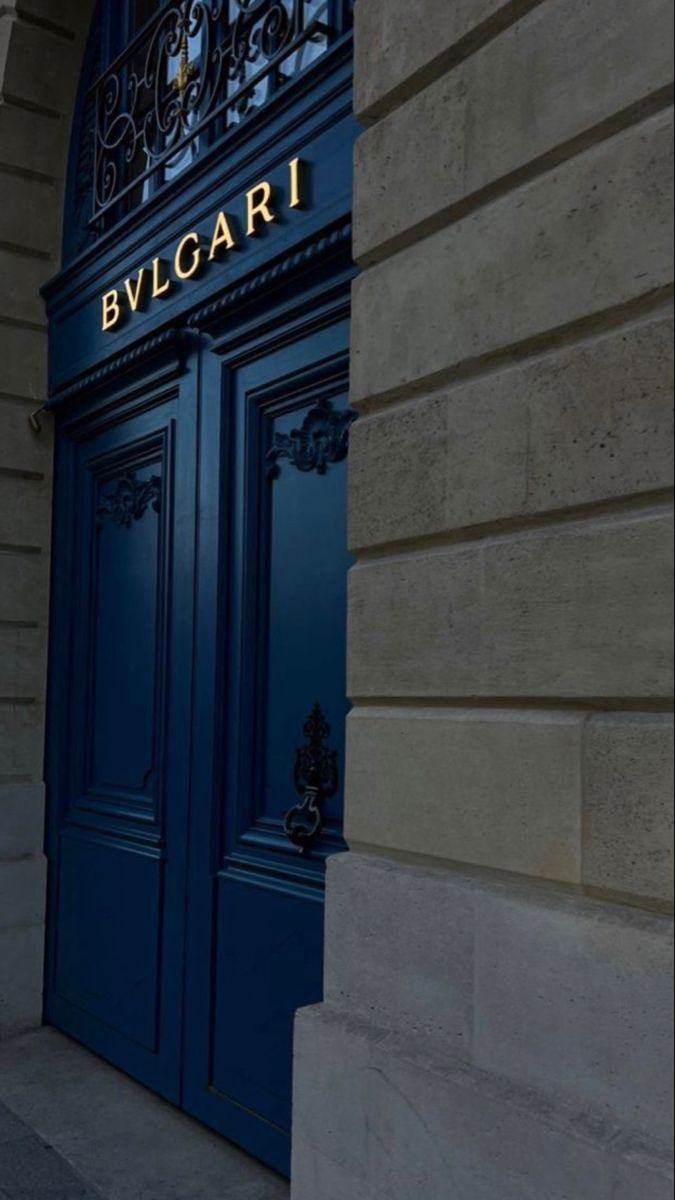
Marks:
<point>41,43</point>
<point>499,943</point>
<point>498,1000</point>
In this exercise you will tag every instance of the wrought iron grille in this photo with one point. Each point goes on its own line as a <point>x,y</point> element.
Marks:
<point>193,73</point>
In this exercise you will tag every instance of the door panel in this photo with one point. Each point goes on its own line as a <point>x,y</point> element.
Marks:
<point>256,923</point>
<point>120,798</point>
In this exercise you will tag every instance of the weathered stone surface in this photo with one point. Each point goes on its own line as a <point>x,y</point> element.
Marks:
<point>40,69</point>
<point>569,996</point>
<point>31,143</point>
<point>22,663</point>
<point>22,278</point>
<point>379,961</point>
<point>21,819</point>
<point>69,15</point>
<point>25,511</point>
<point>641,1175</point>
<point>383,1117</point>
<point>577,1001</point>
<point>497,789</point>
<point>21,967</point>
<point>125,1142</point>
<point>628,805</point>
<point>23,587</point>
<point>399,48</point>
<point>29,218</point>
<point>21,741</point>
<point>23,354</point>
<point>564,69</point>
<point>593,234</point>
<point>582,610</point>
<point>22,893</point>
<point>586,424</point>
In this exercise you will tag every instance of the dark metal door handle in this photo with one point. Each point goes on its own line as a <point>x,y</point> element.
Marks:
<point>317,778</point>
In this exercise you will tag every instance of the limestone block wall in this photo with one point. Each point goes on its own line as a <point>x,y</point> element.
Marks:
<point>497,1020</point>
<point>41,44</point>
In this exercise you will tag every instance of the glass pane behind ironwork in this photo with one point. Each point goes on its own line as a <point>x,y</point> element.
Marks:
<point>195,72</point>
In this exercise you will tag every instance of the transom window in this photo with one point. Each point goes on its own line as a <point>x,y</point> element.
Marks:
<point>192,71</point>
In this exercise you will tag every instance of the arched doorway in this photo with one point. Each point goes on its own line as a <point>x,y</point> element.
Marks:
<point>199,337</point>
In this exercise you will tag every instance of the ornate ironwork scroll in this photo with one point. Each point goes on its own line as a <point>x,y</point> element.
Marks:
<point>131,499</point>
<point>198,62</point>
<point>317,778</point>
<point>322,439</point>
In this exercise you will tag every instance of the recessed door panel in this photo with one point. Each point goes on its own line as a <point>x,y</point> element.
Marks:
<point>118,782</point>
<point>126,635</point>
<point>107,962</point>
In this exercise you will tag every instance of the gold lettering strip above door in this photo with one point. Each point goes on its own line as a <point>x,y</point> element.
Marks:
<point>194,251</point>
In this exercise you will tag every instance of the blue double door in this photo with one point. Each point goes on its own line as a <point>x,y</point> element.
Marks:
<point>197,717</point>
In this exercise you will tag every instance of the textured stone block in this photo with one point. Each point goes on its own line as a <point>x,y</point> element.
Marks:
<point>69,15</point>
<point>568,996</point>
<point>582,610</point>
<point>628,806</point>
<point>593,234</point>
<point>383,1117</point>
<point>377,961</point>
<point>583,425</point>
<point>23,354</point>
<point>21,973</point>
<point>22,278</point>
<point>23,587</point>
<point>576,1000</point>
<point>641,1175</point>
<point>496,789</point>
<point>29,217</point>
<point>41,69</point>
<point>21,819</point>
<point>571,63</point>
<point>21,741</point>
<point>22,663</point>
<point>32,142</point>
<point>399,48</point>
<point>25,511</point>
<point>22,893</point>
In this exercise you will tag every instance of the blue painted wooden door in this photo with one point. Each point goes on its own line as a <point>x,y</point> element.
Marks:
<point>269,703</point>
<point>198,721</point>
<point>118,763</point>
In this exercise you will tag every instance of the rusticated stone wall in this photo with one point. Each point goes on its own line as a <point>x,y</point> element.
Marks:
<point>41,45</point>
<point>497,1023</point>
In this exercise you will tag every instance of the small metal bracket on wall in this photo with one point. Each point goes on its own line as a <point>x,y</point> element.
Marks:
<point>34,419</point>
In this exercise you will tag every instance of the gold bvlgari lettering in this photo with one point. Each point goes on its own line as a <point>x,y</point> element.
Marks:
<point>136,291</point>
<point>161,284</point>
<point>296,168</point>
<point>259,201</point>
<point>262,209</point>
<point>222,236</point>
<point>112,311</point>
<point>190,241</point>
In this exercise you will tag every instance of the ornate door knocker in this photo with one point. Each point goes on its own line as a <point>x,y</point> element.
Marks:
<point>317,778</point>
